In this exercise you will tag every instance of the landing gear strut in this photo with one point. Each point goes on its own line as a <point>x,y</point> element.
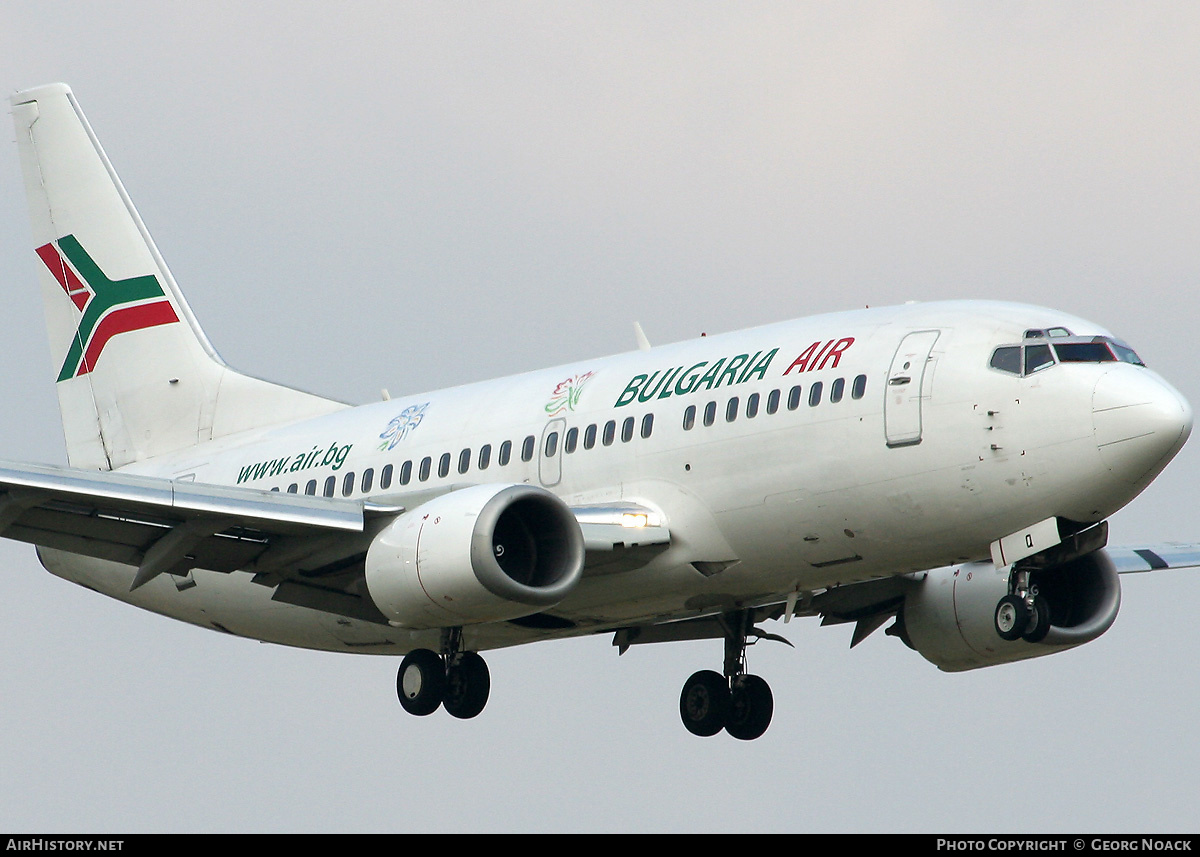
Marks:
<point>739,703</point>
<point>455,680</point>
<point>1022,614</point>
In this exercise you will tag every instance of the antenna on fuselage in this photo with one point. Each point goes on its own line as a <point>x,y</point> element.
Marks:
<point>642,342</point>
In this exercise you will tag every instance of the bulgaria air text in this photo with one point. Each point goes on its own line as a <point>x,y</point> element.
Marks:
<point>726,371</point>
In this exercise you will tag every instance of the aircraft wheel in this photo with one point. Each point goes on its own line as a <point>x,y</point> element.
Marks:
<point>421,682</point>
<point>467,686</point>
<point>750,708</point>
<point>704,703</point>
<point>1012,617</point>
<point>1039,622</point>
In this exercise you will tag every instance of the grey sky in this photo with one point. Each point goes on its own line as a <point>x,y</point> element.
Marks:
<point>411,195</point>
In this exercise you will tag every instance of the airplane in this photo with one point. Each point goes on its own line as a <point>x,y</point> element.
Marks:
<point>946,467</point>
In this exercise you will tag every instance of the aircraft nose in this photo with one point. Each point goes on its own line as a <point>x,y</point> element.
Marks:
<point>1140,420</point>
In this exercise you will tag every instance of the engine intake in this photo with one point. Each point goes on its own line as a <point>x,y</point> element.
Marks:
<point>481,554</point>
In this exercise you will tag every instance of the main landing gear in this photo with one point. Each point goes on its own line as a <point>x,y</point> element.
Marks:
<point>455,680</point>
<point>1022,614</point>
<point>740,704</point>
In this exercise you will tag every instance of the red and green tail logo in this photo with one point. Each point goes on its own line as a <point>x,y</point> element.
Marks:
<point>108,307</point>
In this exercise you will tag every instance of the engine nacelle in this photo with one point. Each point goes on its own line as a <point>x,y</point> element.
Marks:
<point>949,615</point>
<point>482,554</point>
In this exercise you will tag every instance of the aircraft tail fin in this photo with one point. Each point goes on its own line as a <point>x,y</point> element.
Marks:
<point>136,376</point>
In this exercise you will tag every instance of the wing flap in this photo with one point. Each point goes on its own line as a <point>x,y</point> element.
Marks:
<point>129,496</point>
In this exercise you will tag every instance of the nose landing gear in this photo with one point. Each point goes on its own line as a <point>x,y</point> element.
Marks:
<point>1022,614</point>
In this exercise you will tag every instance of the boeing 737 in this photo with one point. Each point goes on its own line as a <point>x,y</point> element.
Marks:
<point>948,468</point>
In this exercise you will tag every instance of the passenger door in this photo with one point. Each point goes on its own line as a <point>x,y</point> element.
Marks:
<point>906,388</point>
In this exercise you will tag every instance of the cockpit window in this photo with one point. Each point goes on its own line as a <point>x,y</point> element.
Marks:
<point>1037,357</point>
<point>1050,332</point>
<point>1097,349</point>
<point>1084,352</point>
<point>1007,359</point>
<point>1034,356</point>
<point>1126,354</point>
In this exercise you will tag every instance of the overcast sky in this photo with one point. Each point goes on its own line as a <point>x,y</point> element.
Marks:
<point>409,195</point>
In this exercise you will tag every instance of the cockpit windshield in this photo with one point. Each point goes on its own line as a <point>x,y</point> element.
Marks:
<point>1097,349</point>
<point>1036,354</point>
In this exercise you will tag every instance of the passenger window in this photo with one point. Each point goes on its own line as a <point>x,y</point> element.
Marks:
<point>1007,359</point>
<point>293,488</point>
<point>1037,357</point>
<point>589,436</point>
<point>794,398</point>
<point>836,389</point>
<point>385,477</point>
<point>551,444</point>
<point>710,413</point>
<point>444,464</point>
<point>368,479</point>
<point>505,453</point>
<point>348,485</point>
<point>731,409</point>
<point>647,425</point>
<point>570,440</point>
<point>485,456</point>
<point>772,401</point>
<point>752,406</point>
<point>330,486</point>
<point>405,472</point>
<point>276,489</point>
<point>689,417</point>
<point>814,394</point>
<point>627,430</point>
<point>527,448</point>
<point>859,388</point>
<point>610,432</point>
<point>423,472</point>
<point>311,488</point>
<point>464,460</point>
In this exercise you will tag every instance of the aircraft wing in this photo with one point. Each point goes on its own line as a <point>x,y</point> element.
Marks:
<point>1130,560</point>
<point>161,525</point>
<point>310,548</point>
<point>872,603</point>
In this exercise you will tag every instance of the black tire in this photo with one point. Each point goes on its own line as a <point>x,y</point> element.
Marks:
<point>704,703</point>
<point>1039,622</point>
<point>1011,617</point>
<point>468,684</point>
<point>750,708</point>
<point>421,682</point>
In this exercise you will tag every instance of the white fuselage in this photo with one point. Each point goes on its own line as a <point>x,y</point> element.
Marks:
<point>922,463</point>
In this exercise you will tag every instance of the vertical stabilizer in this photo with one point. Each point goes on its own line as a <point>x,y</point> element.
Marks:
<point>136,377</point>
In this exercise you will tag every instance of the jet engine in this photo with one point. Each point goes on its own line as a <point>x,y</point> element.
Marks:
<point>481,554</point>
<point>949,614</point>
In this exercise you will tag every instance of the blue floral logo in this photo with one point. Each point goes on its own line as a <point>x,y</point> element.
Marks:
<point>402,426</point>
